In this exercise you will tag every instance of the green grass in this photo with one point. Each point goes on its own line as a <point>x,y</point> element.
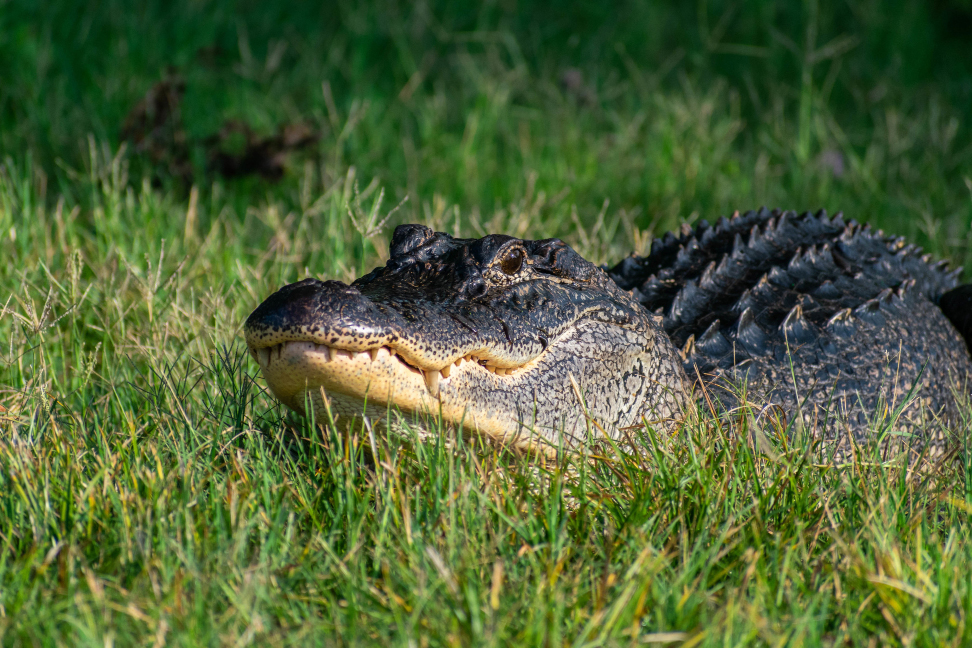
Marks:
<point>152,494</point>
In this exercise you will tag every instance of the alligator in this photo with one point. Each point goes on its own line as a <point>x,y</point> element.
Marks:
<point>829,327</point>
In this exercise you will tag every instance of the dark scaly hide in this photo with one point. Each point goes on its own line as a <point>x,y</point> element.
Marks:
<point>841,333</point>
<point>523,340</point>
<point>835,323</point>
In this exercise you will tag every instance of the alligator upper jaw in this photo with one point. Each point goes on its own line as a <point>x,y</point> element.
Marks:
<point>307,363</point>
<point>487,333</point>
<point>348,384</point>
<point>329,343</point>
<point>295,369</point>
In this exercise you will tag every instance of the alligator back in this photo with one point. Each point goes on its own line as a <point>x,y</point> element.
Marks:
<point>823,317</point>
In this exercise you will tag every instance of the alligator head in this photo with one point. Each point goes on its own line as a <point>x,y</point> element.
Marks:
<point>523,341</point>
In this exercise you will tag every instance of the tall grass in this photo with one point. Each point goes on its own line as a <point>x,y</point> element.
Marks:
<point>152,493</point>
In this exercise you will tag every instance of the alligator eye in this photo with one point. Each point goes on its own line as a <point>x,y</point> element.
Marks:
<point>512,262</point>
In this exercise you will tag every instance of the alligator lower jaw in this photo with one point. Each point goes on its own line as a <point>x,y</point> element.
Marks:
<point>345,381</point>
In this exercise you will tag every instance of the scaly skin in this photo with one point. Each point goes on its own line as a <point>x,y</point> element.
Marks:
<point>529,344</point>
<point>524,341</point>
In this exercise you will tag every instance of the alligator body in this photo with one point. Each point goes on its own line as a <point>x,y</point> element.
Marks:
<point>821,322</point>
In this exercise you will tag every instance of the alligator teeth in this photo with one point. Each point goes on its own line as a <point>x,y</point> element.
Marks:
<point>265,356</point>
<point>432,381</point>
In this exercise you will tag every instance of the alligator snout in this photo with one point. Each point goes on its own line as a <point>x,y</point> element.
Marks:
<point>315,310</point>
<point>323,313</point>
<point>498,334</point>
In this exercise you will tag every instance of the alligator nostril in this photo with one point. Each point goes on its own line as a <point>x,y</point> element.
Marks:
<point>300,302</point>
<point>476,287</point>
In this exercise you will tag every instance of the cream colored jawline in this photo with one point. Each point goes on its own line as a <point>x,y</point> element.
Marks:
<point>293,369</point>
<point>266,356</point>
<point>354,373</point>
<point>380,375</point>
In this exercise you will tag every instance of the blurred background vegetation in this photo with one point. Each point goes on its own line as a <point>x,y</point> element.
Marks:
<point>669,110</point>
<point>165,165</point>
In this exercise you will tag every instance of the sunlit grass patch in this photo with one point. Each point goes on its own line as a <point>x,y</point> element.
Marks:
<point>202,512</point>
<point>151,491</point>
